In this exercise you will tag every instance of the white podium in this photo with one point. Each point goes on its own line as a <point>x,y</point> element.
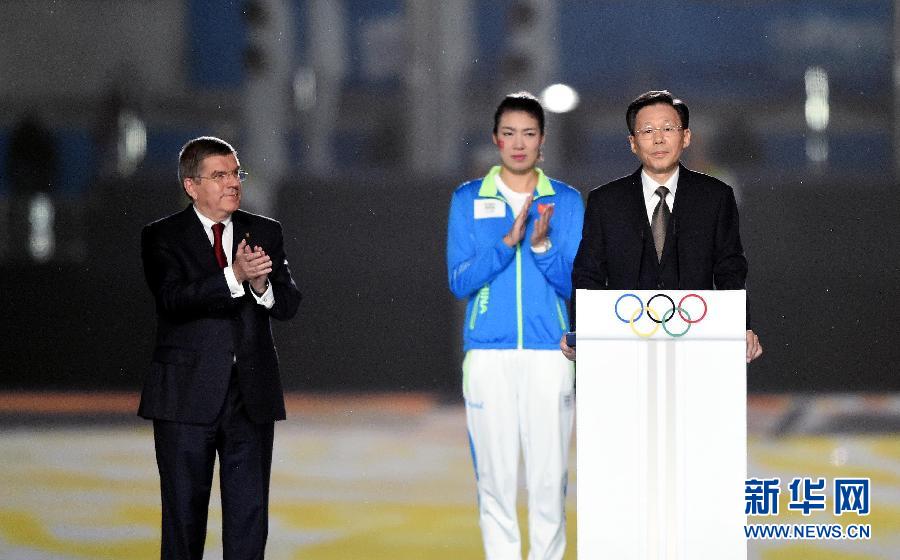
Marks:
<point>662,425</point>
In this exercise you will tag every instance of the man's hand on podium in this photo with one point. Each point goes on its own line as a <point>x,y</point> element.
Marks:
<point>754,348</point>
<point>568,351</point>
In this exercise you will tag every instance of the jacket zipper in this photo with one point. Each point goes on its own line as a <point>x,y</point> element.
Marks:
<point>520,339</point>
<point>520,344</point>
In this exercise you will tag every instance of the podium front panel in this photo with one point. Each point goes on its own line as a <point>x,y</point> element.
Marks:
<point>661,416</point>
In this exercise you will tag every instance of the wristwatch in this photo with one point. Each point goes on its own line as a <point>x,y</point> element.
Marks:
<point>543,247</point>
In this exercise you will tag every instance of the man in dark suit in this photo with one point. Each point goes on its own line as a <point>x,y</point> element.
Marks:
<point>217,274</point>
<point>664,226</point>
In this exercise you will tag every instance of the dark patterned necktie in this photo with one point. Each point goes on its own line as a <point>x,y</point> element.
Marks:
<point>660,222</point>
<point>217,244</point>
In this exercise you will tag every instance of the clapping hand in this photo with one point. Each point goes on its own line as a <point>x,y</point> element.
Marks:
<point>517,231</point>
<point>252,265</point>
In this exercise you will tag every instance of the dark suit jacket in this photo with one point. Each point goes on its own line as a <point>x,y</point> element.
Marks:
<point>703,242</point>
<point>202,331</point>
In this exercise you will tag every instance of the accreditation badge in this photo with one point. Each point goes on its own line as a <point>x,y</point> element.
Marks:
<point>489,208</point>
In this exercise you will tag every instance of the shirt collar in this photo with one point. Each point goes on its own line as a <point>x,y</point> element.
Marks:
<point>207,223</point>
<point>650,186</point>
<point>489,186</point>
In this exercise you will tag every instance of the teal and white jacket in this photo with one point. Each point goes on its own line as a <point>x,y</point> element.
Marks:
<point>516,297</point>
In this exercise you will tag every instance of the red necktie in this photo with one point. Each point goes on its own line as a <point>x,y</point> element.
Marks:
<point>217,244</point>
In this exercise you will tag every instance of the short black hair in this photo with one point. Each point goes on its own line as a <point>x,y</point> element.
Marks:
<point>195,151</point>
<point>653,98</point>
<point>520,101</point>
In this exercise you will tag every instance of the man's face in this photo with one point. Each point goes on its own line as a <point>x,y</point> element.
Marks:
<point>659,151</point>
<point>519,140</point>
<point>216,190</point>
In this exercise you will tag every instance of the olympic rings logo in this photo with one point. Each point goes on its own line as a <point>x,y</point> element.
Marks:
<point>660,321</point>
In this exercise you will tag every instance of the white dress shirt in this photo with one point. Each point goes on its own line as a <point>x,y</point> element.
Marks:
<point>651,199</point>
<point>267,299</point>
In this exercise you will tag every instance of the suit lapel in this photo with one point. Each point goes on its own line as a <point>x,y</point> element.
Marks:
<point>636,214</point>
<point>685,200</point>
<point>241,230</point>
<point>240,227</point>
<point>682,210</point>
<point>636,205</point>
<point>196,241</point>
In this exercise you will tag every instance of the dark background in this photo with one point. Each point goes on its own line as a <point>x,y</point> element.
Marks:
<point>377,315</point>
<point>366,241</point>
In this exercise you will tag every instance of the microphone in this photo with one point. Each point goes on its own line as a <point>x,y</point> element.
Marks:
<point>641,229</point>
<point>675,247</point>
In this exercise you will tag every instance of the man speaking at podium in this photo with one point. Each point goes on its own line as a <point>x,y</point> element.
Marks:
<point>664,226</point>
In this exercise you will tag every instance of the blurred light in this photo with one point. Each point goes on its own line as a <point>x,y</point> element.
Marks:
<point>304,88</point>
<point>132,142</point>
<point>559,98</point>
<point>41,240</point>
<point>817,148</point>
<point>816,98</point>
<point>839,456</point>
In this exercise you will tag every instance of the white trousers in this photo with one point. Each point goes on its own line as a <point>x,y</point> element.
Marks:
<point>513,398</point>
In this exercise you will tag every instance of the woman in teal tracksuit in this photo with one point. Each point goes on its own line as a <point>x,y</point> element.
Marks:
<point>512,238</point>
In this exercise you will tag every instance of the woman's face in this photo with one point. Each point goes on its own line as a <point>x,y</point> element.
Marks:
<point>519,141</point>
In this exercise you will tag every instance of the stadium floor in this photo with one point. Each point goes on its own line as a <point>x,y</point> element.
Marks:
<point>381,477</point>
